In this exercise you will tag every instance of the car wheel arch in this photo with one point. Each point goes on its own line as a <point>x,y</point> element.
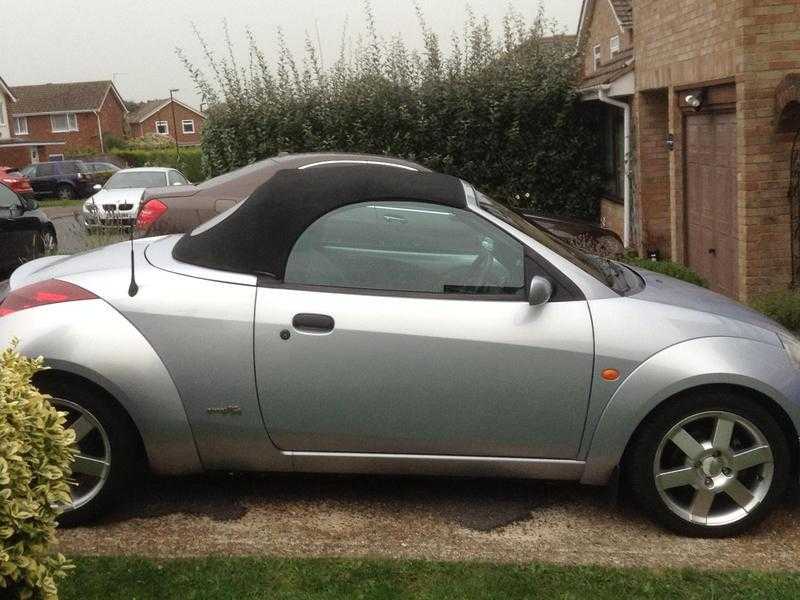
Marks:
<point>765,401</point>
<point>62,376</point>
<point>733,363</point>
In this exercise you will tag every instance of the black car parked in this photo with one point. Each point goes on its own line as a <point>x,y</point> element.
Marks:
<point>64,179</point>
<point>25,231</point>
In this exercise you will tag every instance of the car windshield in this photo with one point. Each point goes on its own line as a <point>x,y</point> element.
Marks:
<point>606,271</point>
<point>136,179</point>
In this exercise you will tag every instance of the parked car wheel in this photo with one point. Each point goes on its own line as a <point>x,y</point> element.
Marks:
<point>710,464</point>
<point>47,243</point>
<point>65,192</point>
<point>107,447</point>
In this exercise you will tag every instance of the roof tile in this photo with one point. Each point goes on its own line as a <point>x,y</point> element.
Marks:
<point>59,97</point>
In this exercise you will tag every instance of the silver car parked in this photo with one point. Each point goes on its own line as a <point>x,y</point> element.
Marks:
<point>355,317</point>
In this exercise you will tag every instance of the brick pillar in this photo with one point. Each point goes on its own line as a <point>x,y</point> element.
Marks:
<point>653,197</point>
<point>769,49</point>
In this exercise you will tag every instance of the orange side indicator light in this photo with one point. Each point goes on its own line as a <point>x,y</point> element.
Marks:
<point>610,375</point>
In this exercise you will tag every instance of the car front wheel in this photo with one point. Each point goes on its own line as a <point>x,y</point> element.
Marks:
<point>709,464</point>
<point>106,446</point>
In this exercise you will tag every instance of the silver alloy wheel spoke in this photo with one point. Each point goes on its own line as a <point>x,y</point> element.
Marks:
<point>691,469</point>
<point>676,478</point>
<point>752,457</point>
<point>723,431</point>
<point>92,464</point>
<point>82,427</point>
<point>688,445</point>
<point>739,493</point>
<point>701,504</point>
<point>86,465</point>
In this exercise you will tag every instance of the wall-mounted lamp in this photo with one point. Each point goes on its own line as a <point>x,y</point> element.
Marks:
<point>671,142</point>
<point>696,99</point>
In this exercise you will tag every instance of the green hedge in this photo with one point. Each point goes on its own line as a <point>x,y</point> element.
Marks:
<point>782,306</point>
<point>500,112</point>
<point>190,163</point>
<point>668,268</point>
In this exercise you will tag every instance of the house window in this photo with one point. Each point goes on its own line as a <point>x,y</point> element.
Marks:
<point>162,128</point>
<point>597,55</point>
<point>20,125</point>
<point>64,122</point>
<point>188,126</point>
<point>56,157</point>
<point>614,45</point>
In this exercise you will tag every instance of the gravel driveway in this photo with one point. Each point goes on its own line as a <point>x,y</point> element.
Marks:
<point>442,519</point>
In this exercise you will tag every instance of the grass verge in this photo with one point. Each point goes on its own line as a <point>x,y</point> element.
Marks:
<point>334,579</point>
<point>54,202</point>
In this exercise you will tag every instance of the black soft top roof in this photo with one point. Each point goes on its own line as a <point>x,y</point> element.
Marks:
<point>258,236</point>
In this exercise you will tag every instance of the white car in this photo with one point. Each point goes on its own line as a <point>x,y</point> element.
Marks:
<point>116,203</point>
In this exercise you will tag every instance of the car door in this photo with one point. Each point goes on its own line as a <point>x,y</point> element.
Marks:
<point>417,338</point>
<point>17,231</point>
<point>44,179</point>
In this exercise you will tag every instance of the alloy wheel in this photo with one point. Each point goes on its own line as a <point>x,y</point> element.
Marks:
<point>93,461</point>
<point>48,243</point>
<point>713,468</point>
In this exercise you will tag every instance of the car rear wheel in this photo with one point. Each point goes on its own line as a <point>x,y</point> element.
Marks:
<point>65,192</point>
<point>107,449</point>
<point>710,464</point>
<point>46,243</point>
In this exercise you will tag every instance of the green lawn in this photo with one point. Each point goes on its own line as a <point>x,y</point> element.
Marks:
<point>254,578</point>
<point>52,202</point>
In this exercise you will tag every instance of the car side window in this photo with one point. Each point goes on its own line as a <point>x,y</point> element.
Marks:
<point>8,199</point>
<point>45,169</point>
<point>176,177</point>
<point>408,247</point>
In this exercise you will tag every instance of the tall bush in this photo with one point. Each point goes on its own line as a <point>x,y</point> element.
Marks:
<point>499,111</point>
<point>35,458</point>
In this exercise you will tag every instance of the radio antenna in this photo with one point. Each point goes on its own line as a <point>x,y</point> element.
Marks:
<point>133,288</point>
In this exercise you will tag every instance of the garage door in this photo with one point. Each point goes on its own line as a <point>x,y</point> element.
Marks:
<point>711,189</point>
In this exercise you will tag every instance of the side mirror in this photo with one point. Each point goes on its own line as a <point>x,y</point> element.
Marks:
<point>540,292</point>
<point>97,187</point>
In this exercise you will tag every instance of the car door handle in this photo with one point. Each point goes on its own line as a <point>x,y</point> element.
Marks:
<point>311,323</point>
<point>391,219</point>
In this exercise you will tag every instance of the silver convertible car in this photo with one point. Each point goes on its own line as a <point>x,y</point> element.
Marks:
<point>360,316</point>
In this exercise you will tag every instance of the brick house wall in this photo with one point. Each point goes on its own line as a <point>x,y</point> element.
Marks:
<point>603,27</point>
<point>111,115</point>
<point>165,114</point>
<point>770,49</point>
<point>750,46</point>
<point>21,157</point>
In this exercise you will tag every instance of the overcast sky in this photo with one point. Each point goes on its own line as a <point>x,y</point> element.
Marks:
<point>133,41</point>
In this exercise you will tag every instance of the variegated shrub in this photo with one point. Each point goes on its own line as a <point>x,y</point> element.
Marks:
<point>35,458</point>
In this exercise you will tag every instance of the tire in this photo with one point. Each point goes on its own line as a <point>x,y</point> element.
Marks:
<point>701,494</point>
<point>65,192</point>
<point>112,439</point>
<point>46,243</point>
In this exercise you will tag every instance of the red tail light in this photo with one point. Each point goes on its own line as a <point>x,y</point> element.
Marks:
<point>150,213</point>
<point>52,291</point>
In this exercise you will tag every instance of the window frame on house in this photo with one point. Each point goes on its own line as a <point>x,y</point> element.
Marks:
<point>597,56</point>
<point>186,122</point>
<point>55,157</point>
<point>615,45</point>
<point>166,127</point>
<point>17,121</point>
<point>71,122</point>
